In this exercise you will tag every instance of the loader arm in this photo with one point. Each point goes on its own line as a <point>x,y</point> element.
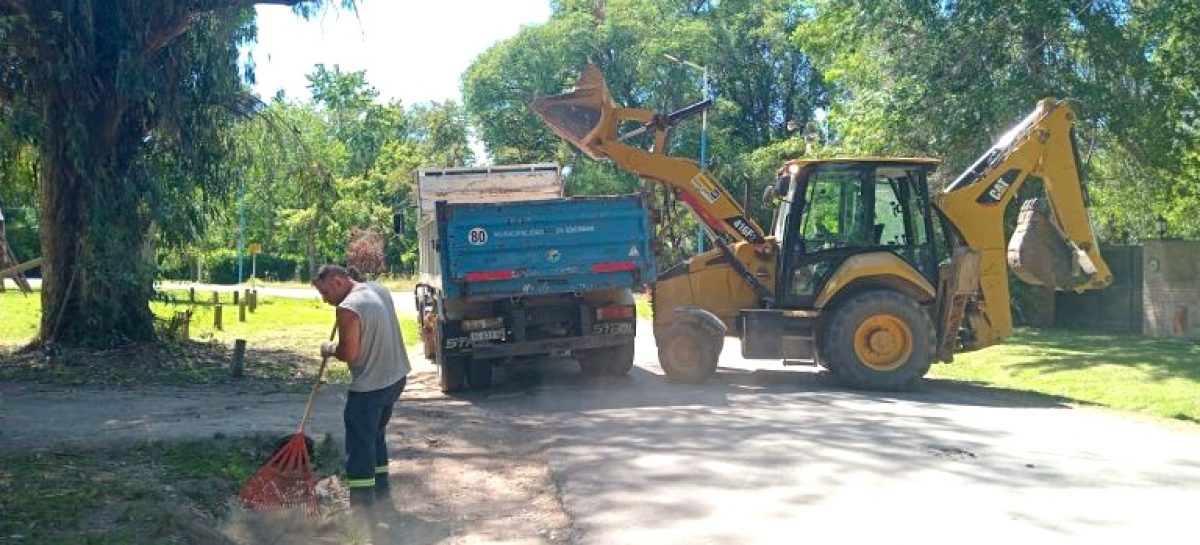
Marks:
<point>1062,253</point>
<point>588,118</point>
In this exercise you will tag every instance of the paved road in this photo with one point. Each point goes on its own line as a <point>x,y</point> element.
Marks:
<point>768,455</point>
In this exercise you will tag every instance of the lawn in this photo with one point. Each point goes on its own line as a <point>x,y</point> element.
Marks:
<point>149,493</point>
<point>1158,377</point>
<point>282,337</point>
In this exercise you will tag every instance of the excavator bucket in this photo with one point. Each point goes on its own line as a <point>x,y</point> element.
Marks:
<point>1039,254</point>
<point>583,116</point>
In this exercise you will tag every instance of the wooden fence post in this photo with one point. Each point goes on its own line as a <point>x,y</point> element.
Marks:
<point>239,357</point>
<point>217,317</point>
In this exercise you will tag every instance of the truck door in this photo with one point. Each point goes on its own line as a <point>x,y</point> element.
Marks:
<point>850,209</point>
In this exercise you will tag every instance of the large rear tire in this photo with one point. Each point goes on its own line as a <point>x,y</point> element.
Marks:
<point>879,340</point>
<point>452,371</point>
<point>688,352</point>
<point>613,360</point>
<point>452,374</point>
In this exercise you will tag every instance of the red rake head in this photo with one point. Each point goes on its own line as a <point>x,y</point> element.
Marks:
<point>285,481</point>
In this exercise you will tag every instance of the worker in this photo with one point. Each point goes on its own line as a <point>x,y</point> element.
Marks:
<point>370,343</point>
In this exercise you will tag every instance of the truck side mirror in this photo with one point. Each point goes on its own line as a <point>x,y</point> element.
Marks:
<point>768,196</point>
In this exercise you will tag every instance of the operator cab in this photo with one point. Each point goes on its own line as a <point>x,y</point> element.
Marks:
<point>834,209</point>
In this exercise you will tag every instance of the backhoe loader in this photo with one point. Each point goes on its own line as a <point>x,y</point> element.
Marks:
<point>863,272</point>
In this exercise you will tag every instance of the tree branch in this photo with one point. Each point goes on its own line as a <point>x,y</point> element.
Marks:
<point>180,25</point>
<point>172,31</point>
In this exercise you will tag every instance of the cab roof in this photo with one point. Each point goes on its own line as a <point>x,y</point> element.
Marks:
<point>803,163</point>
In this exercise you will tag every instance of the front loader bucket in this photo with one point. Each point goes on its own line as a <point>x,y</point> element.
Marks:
<point>583,116</point>
<point>1038,253</point>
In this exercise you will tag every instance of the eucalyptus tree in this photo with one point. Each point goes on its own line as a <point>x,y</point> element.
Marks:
<point>122,89</point>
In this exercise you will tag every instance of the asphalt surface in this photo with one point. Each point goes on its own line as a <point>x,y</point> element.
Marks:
<point>770,455</point>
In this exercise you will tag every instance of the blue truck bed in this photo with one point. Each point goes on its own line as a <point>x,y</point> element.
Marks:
<point>536,247</point>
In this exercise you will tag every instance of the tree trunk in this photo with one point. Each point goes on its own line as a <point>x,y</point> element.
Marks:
<point>95,289</point>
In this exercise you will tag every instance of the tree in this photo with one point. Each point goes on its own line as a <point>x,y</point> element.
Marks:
<point>945,79</point>
<point>110,82</point>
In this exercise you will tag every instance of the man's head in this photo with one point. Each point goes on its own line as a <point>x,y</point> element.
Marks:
<point>334,282</point>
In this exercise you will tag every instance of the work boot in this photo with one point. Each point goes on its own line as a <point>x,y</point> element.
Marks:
<point>362,500</point>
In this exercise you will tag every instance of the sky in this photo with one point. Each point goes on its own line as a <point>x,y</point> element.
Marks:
<point>412,50</point>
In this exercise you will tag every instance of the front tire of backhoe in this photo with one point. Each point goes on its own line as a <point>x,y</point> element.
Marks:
<point>688,352</point>
<point>879,340</point>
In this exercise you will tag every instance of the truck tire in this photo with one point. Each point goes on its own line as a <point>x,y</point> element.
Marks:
<point>879,340</point>
<point>612,361</point>
<point>452,374</point>
<point>479,374</point>
<point>452,371</point>
<point>688,352</point>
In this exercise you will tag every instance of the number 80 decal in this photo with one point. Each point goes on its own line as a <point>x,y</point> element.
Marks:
<point>477,236</point>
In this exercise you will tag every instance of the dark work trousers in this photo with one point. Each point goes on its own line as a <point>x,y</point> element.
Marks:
<point>366,417</point>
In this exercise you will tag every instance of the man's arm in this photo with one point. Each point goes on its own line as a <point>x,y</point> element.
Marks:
<point>349,335</point>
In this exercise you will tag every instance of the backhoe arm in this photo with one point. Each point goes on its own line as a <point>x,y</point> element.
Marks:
<point>1068,257</point>
<point>588,118</point>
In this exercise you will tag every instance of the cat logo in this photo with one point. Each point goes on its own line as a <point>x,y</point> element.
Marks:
<point>996,192</point>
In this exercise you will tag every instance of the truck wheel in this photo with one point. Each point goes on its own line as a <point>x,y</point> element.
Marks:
<point>614,361</point>
<point>879,340</point>
<point>452,371</point>
<point>479,374</point>
<point>688,352</point>
<point>452,374</point>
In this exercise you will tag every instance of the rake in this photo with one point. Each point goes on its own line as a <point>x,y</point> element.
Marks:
<point>286,480</point>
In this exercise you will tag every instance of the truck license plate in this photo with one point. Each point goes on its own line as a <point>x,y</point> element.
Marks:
<point>488,335</point>
<point>613,328</point>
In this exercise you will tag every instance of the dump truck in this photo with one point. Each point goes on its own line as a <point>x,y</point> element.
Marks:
<point>865,270</point>
<point>510,268</point>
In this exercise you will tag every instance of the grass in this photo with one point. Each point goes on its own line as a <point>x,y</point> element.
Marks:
<point>19,315</point>
<point>151,493</point>
<point>642,304</point>
<point>282,337</point>
<point>1158,377</point>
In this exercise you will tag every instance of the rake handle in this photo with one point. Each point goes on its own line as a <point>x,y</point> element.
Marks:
<point>312,396</point>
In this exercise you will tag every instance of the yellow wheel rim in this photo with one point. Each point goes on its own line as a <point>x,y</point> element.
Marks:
<point>883,342</point>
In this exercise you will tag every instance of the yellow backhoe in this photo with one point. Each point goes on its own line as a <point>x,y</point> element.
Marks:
<point>864,271</point>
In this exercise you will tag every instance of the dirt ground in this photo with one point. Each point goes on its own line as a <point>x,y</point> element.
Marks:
<point>460,475</point>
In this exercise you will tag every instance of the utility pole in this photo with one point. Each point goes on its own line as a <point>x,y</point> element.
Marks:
<point>241,226</point>
<point>700,233</point>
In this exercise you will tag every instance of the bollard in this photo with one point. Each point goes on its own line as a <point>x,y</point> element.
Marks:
<point>216,298</point>
<point>242,311</point>
<point>239,357</point>
<point>253,297</point>
<point>235,297</point>
<point>217,318</point>
<point>192,296</point>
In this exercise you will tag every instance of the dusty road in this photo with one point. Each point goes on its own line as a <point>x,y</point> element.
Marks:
<point>766,455</point>
<point>762,455</point>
